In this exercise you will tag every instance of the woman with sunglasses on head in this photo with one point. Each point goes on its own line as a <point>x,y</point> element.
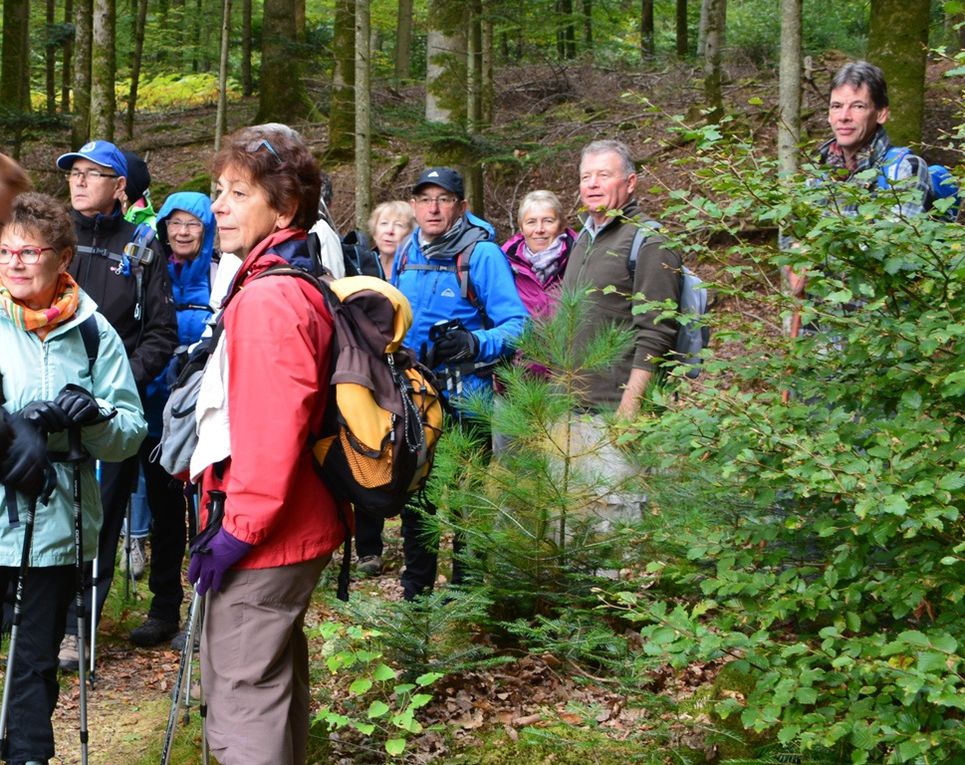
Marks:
<point>263,394</point>
<point>64,369</point>
<point>186,231</point>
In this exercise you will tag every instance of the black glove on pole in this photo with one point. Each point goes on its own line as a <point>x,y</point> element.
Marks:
<point>46,415</point>
<point>77,403</point>
<point>455,345</point>
<point>23,467</point>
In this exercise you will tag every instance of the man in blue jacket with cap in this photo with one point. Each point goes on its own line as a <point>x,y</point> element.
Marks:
<point>467,316</point>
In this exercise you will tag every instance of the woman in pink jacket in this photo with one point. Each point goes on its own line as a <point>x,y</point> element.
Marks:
<point>538,253</point>
<point>264,392</point>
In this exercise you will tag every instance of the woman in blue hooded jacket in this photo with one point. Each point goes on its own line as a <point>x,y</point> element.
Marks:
<point>185,229</point>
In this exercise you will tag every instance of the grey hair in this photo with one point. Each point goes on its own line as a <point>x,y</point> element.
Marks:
<point>617,147</point>
<point>858,73</point>
<point>540,197</point>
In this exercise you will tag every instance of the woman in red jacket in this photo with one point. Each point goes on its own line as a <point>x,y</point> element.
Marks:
<point>264,392</point>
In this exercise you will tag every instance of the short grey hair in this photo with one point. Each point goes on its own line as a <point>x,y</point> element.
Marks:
<point>617,147</point>
<point>858,73</point>
<point>540,198</point>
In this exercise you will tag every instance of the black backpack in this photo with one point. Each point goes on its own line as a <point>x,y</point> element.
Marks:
<point>360,258</point>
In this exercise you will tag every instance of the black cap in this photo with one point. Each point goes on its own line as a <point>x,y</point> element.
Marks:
<point>138,176</point>
<point>444,177</point>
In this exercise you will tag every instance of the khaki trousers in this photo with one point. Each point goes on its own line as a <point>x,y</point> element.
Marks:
<point>254,665</point>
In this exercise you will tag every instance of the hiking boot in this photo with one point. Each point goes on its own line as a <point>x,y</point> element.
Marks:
<point>370,565</point>
<point>153,632</point>
<point>69,656</point>
<point>177,642</point>
<point>138,557</point>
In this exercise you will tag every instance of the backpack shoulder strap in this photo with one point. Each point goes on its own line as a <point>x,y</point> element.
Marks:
<point>466,289</point>
<point>890,163</point>
<point>91,336</point>
<point>645,229</point>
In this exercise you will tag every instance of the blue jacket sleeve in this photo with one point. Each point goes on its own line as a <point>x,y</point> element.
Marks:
<point>492,279</point>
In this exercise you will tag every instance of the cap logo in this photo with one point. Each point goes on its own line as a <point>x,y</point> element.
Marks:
<point>433,174</point>
<point>89,146</point>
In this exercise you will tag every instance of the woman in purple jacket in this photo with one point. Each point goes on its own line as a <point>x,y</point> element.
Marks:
<point>538,253</point>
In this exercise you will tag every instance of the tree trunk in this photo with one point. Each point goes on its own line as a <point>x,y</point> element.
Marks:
<point>446,63</point>
<point>341,113</point>
<point>15,60</point>
<point>488,83</point>
<point>68,52</point>
<point>83,25</point>
<point>300,20</point>
<point>683,43</point>
<point>789,123</point>
<point>363,126</point>
<point>103,69</point>
<point>647,49</point>
<point>247,86</point>
<point>566,31</point>
<point>898,43</point>
<point>403,41</point>
<point>713,43</point>
<point>139,24</point>
<point>588,25</point>
<point>50,59</point>
<point>474,66</point>
<point>702,27</point>
<point>281,97</point>
<point>221,117</point>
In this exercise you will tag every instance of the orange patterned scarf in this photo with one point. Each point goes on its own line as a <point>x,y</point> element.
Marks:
<point>43,320</point>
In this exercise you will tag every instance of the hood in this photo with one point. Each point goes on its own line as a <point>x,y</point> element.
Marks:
<point>199,206</point>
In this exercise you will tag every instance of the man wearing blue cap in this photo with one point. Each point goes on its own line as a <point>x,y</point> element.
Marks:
<point>467,316</point>
<point>133,291</point>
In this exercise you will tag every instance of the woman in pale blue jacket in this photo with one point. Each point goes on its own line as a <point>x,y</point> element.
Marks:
<point>63,368</point>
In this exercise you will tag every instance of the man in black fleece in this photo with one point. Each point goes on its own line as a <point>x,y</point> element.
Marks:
<point>134,294</point>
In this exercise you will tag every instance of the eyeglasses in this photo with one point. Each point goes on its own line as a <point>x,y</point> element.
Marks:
<point>28,255</point>
<point>256,146</point>
<point>187,225</point>
<point>87,175</point>
<point>446,200</point>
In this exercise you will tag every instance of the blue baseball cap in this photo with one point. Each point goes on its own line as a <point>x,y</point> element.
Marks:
<point>444,177</point>
<point>102,153</point>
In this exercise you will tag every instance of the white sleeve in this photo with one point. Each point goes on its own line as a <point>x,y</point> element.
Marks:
<point>331,248</point>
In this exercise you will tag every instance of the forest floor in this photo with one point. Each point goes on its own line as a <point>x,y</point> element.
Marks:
<point>544,114</point>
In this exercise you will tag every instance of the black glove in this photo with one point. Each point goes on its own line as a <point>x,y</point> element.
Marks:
<point>46,415</point>
<point>24,465</point>
<point>455,345</point>
<point>79,405</point>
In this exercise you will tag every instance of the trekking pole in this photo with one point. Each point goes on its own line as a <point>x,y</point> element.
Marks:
<point>187,656</point>
<point>202,703</point>
<point>127,552</point>
<point>93,623</point>
<point>195,625</point>
<point>28,531</point>
<point>93,599</point>
<point>76,456</point>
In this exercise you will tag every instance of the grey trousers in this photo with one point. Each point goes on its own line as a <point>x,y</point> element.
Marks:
<point>254,665</point>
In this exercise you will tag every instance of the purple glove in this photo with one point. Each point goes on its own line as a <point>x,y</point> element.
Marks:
<point>210,562</point>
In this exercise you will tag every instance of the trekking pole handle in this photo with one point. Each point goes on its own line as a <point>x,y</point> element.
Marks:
<point>216,502</point>
<point>75,449</point>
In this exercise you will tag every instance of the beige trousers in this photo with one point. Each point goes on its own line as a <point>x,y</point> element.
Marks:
<point>254,665</point>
